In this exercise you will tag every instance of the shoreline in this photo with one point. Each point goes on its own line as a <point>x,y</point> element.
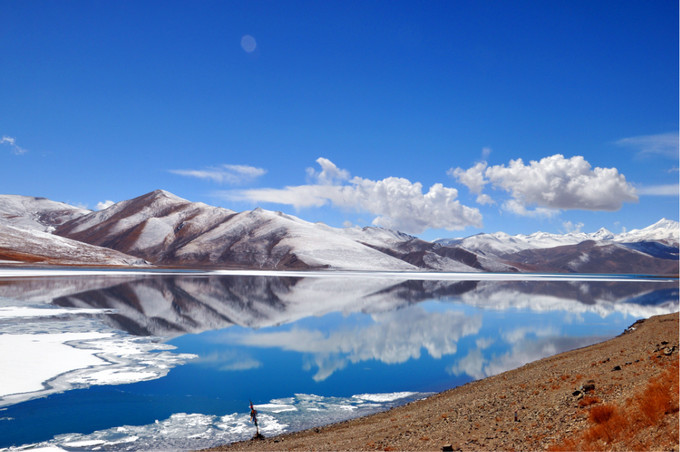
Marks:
<point>540,405</point>
<point>63,270</point>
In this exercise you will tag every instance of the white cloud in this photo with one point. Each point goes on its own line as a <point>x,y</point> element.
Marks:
<point>486,151</point>
<point>559,183</point>
<point>659,190</point>
<point>104,204</point>
<point>397,202</point>
<point>516,207</point>
<point>551,184</point>
<point>224,174</point>
<point>12,143</point>
<point>472,178</point>
<point>485,199</point>
<point>664,144</point>
<point>572,227</point>
<point>329,174</point>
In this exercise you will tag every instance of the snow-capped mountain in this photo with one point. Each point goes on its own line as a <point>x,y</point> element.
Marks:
<point>166,230</point>
<point>151,225</point>
<point>663,231</point>
<point>499,244</point>
<point>39,214</point>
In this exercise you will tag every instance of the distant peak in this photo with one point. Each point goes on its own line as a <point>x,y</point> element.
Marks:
<point>665,223</point>
<point>603,234</point>
<point>162,194</point>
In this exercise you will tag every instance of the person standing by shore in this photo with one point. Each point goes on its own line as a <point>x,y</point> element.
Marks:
<point>253,417</point>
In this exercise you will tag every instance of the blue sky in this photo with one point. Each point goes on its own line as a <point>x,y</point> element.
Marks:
<point>411,115</point>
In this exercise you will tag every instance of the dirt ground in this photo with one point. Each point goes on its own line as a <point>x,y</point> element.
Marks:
<point>536,407</point>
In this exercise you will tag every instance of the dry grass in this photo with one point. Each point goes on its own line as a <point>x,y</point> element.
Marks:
<point>601,414</point>
<point>655,401</point>
<point>636,424</point>
<point>589,400</point>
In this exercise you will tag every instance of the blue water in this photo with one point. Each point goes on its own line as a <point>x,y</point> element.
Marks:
<point>421,340</point>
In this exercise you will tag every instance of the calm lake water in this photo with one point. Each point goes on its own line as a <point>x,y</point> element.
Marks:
<point>156,361</point>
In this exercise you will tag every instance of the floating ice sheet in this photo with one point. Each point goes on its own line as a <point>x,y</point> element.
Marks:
<point>183,431</point>
<point>13,312</point>
<point>42,355</point>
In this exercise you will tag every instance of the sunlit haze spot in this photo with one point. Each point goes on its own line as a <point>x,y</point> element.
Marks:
<point>248,43</point>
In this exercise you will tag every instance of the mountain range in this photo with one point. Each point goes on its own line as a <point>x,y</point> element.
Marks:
<point>161,229</point>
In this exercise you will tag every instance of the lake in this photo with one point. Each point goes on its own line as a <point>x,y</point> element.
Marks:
<point>120,360</point>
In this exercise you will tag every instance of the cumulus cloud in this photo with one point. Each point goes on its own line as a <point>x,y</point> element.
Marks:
<point>664,144</point>
<point>224,174</point>
<point>473,178</point>
<point>104,204</point>
<point>11,142</point>
<point>485,199</point>
<point>559,183</point>
<point>397,202</point>
<point>330,174</point>
<point>516,207</point>
<point>551,184</point>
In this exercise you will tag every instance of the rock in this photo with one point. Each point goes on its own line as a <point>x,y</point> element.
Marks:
<point>447,447</point>
<point>616,368</point>
<point>669,350</point>
<point>576,393</point>
<point>588,387</point>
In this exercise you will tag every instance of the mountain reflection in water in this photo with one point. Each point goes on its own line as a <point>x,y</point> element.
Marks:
<point>174,305</point>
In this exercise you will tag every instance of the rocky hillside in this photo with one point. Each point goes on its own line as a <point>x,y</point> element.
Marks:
<point>38,247</point>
